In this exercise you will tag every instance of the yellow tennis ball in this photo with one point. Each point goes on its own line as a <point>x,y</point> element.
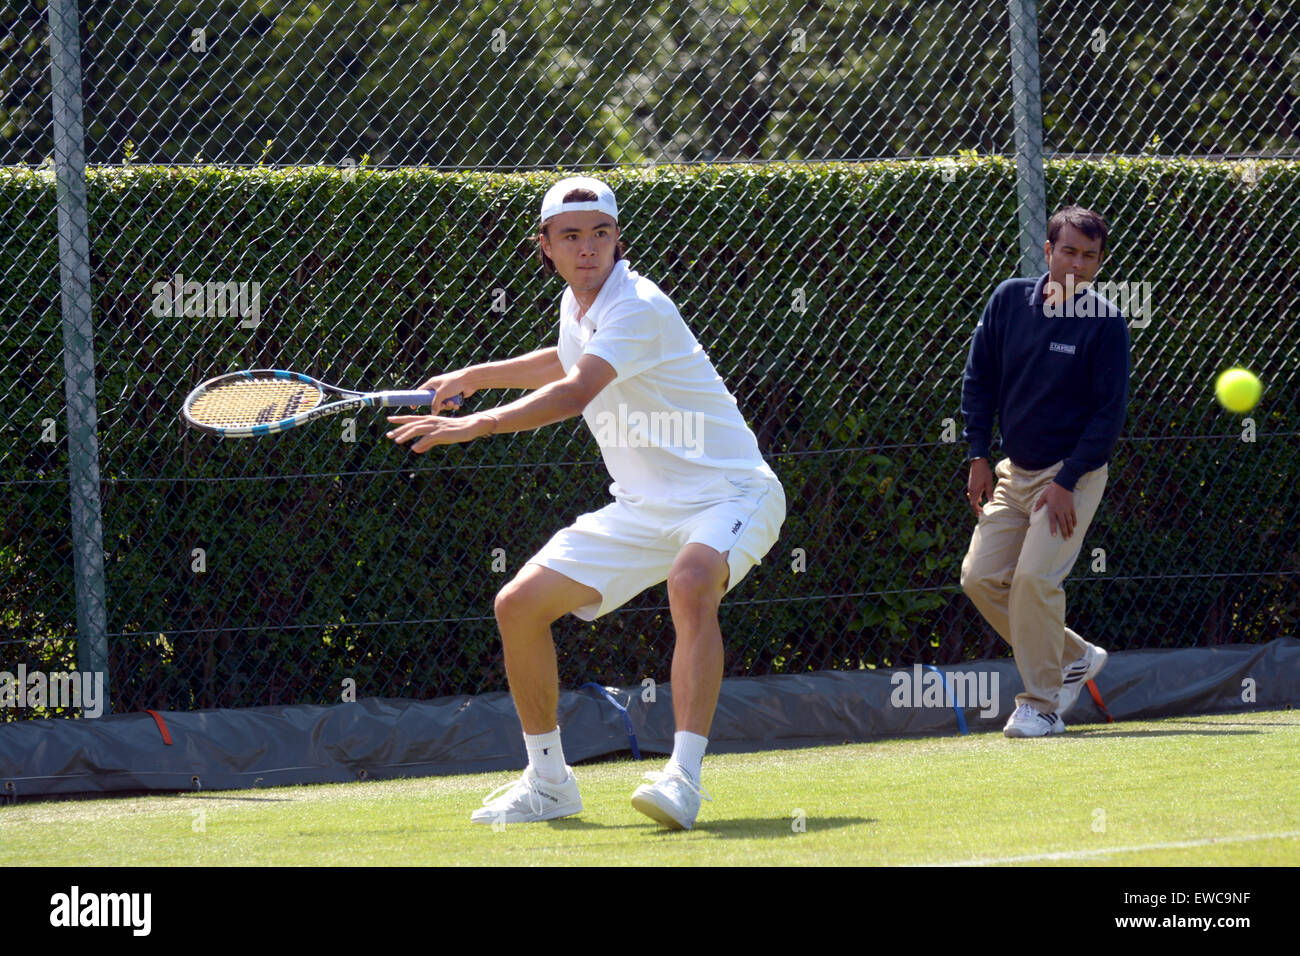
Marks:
<point>1238,390</point>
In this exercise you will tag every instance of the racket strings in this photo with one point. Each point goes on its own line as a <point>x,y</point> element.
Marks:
<point>253,402</point>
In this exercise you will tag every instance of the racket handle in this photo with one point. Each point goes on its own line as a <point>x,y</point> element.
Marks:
<point>388,399</point>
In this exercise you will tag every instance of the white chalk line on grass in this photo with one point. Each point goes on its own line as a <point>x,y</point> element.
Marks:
<point>1107,851</point>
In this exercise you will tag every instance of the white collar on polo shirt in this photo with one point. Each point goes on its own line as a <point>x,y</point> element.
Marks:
<point>615,279</point>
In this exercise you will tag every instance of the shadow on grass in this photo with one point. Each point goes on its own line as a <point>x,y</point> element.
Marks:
<point>1103,732</point>
<point>222,796</point>
<point>748,828</point>
<point>572,823</point>
<point>741,828</point>
<point>110,795</point>
<point>1242,723</point>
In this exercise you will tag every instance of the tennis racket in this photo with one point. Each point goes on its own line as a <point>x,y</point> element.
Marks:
<point>265,401</point>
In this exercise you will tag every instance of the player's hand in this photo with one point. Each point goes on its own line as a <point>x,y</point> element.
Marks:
<point>1060,509</point>
<point>430,430</point>
<point>448,386</point>
<point>979,486</point>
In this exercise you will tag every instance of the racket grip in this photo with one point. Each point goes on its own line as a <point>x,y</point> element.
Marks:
<point>388,399</point>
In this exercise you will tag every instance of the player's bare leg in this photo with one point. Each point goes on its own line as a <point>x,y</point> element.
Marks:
<point>696,585</point>
<point>525,610</point>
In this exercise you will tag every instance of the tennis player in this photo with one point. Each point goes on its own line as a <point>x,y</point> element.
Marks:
<point>694,502</point>
<point>1050,361</point>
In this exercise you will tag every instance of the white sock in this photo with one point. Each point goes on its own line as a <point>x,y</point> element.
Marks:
<point>546,756</point>
<point>688,753</point>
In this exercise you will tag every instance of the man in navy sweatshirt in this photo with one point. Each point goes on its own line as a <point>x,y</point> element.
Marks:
<point>1050,361</point>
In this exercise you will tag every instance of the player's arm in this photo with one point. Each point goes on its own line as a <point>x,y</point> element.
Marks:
<point>550,403</point>
<point>981,383</point>
<point>531,371</point>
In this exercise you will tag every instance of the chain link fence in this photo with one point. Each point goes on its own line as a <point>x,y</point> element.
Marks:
<point>279,166</point>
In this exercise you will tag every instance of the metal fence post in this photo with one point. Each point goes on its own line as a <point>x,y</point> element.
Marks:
<point>78,339</point>
<point>1031,187</point>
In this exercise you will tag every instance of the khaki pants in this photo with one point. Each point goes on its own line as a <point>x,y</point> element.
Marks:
<point>1014,569</point>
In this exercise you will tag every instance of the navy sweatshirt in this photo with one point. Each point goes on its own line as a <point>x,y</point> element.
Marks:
<point>1058,384</point>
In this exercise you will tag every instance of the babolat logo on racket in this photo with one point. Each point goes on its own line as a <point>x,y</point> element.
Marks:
<point>331,409</point>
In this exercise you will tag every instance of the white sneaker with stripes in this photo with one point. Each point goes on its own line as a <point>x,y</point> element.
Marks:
<point>1030,722</point>
<point>1076,676</point>
<point>530,799</point>
<point>673,799</point>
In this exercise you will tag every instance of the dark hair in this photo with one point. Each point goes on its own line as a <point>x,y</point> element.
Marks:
<point>574,195</point>
<point>1089,223</point>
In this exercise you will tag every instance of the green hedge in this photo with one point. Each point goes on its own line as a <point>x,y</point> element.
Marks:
<point>837,302</point>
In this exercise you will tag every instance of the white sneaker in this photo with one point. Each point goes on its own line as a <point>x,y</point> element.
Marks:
<point>1030,722</point>
<point>1074,677</point>
<point>530,799</point>
<point>673,799</point>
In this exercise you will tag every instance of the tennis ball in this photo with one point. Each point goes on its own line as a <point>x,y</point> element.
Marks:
<point>1238,390</point>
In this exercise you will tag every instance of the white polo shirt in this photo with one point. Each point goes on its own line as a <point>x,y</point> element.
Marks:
<point>667,426</point>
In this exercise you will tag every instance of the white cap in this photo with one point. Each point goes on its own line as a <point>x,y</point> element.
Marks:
<point>553,203</point>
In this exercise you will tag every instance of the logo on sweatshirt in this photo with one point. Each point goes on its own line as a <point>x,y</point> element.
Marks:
<point>1062,347</point>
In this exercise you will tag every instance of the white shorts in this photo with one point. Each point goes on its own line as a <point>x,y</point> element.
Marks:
<point>622,549</point>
